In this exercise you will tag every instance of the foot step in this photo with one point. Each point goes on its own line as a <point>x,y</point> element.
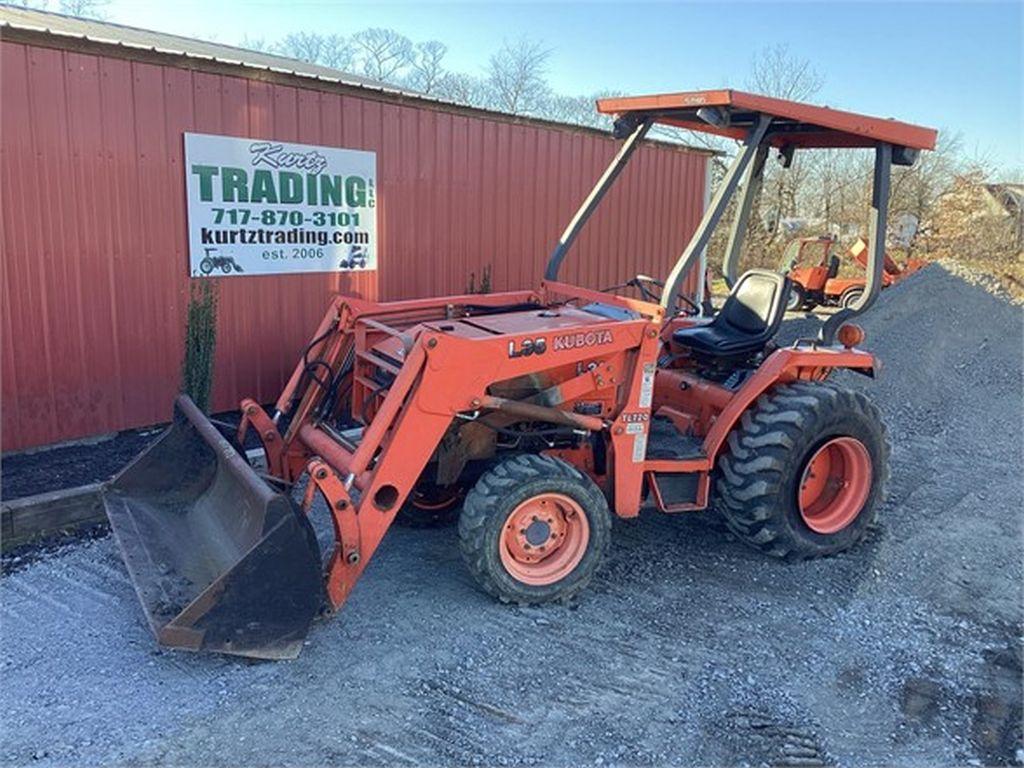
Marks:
<point>666,442</point>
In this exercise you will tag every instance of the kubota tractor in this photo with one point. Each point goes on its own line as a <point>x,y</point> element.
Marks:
<point>813,271</point>
<point>550,410</point>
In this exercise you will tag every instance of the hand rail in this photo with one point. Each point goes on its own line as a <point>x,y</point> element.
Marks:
<point>405,338</point>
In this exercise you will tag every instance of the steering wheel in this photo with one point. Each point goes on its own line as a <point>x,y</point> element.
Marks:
<point>641,283</point>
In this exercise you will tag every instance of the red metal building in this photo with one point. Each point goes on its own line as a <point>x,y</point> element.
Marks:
<point>95,261</point>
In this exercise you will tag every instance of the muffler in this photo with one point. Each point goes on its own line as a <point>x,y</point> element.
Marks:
<point>221,561</point>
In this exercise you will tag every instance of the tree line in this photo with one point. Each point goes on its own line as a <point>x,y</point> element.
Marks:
<point>823,192</point>
<point>513,79</point>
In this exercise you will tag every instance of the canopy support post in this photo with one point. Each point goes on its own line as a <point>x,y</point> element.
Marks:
<point>716,210</point>
<point>876,245</point>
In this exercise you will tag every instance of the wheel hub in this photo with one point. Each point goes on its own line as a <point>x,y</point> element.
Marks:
<point>835,485</point>
<point>544,538</point>
<point>538,532</point>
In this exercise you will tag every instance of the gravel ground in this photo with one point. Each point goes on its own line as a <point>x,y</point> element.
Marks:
<point>688,648</point>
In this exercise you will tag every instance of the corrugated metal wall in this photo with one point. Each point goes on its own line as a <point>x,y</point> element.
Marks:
<point>95,277</point>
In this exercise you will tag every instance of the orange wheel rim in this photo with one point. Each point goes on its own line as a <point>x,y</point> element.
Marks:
<point>835,485</point>
<point>544,539</point>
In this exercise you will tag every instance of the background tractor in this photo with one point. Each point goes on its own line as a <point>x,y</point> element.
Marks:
<point>550,410</point>
<point>814,271</point>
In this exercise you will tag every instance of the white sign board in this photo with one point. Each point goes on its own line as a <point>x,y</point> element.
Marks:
<point>260,207</point>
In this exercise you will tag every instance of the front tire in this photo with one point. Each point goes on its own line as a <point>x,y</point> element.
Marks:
<point>850,297</point>
<point>805,471</point>
<point>534,530</point>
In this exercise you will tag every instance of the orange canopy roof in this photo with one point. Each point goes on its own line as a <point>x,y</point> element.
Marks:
<point>794,124</point>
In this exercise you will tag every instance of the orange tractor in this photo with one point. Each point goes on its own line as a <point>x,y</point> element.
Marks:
<point>545,411</point>
<point>813,270</point>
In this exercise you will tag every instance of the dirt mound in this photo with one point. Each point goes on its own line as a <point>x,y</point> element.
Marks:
<point>952,358</point>
<point>950,388</point>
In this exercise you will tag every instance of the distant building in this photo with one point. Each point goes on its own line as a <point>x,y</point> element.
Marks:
<point>1007,200</point>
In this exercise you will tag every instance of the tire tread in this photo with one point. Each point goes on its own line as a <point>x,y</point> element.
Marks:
<point>759,458</point>
<point>485,500</point>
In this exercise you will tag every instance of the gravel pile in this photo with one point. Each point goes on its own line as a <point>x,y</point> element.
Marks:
<point>689,648</point>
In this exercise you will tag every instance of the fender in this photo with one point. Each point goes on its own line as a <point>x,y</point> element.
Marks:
<point>783,365</point>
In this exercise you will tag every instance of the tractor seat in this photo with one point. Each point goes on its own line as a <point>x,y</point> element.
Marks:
<point>748,320</point>
<point>833,266</point>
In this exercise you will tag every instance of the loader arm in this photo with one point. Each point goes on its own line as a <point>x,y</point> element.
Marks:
<point>365,486</point>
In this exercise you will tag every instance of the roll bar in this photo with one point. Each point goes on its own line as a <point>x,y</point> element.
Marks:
<point>715,211</point>
<point>748,165</point>
<point>877,219</point>
<point>637,128</point>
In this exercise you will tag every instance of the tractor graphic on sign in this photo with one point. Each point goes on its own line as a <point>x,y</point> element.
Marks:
<point>356,258</point>
<point>210,262</point>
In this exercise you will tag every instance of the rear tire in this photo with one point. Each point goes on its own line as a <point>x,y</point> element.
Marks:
<point>850,296</point>
<point>805,471</point>
<point>430,506</point>
<point>796,299</point>
<point>534,530</point>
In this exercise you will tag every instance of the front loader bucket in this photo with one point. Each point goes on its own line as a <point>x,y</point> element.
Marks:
<point>220,560</point>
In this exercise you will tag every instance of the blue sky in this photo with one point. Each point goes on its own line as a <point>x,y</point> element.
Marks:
<point>953,66</point>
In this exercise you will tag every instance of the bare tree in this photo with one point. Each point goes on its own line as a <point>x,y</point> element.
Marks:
<point>579,110</point>
<point>427,68</point>
<point>777,72</point>
<point>1012,175</point>
<point>84,9</point>
<point>918,190</point>
<point>516,76</point>
<point>463,89</point>
<point>330,50</point>
<point>383,53</point>
<point>256,44</point>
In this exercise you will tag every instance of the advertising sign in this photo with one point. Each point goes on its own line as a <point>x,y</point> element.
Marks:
<point>259,207</point>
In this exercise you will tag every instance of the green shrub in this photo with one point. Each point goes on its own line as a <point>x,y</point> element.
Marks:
<point>485,281</point>
<point>200,342</point>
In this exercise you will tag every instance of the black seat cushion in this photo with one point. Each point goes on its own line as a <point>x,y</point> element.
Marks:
<point>747,321</point>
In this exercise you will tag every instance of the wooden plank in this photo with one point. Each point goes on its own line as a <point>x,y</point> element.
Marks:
<point>35,516</point>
